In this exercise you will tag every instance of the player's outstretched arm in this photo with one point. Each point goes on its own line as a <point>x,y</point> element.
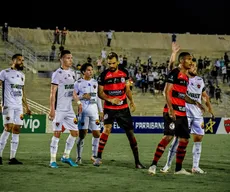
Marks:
<point>175,50</point>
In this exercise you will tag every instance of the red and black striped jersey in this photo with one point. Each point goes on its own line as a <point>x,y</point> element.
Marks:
<point>178,91</point>
<point>114,84</point>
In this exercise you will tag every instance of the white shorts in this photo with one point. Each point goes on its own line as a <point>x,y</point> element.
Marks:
<point>67,119</point>
<point>89,122</point>
<point>196,125</point>
<point>12,115</point>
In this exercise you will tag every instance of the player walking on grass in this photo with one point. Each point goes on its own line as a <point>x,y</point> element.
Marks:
<point>196,91</point>
<point>61,109</point>
<point>13,81</point>
<point>175,119</point>
<point>114,88</point>
<point>92,111</point>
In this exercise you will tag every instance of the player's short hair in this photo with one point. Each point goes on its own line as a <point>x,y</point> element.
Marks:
<point>112,55</point>
<point>64,52</point>
<point>84,67</point>
<point>15,56</point>
<point>182,55</point>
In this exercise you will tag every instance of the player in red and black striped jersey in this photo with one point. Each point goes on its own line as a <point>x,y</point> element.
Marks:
<point>175,119</point>
<point>114,88</point>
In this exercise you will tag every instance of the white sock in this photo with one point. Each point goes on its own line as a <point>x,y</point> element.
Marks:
<point>80,144</point>
<point>53,149</point>
<point>14,145</point>
<point>3,140</point>
<point>172,151</point>
<point>95,143</point>
<point>196,152</point>
<point>69,145</point>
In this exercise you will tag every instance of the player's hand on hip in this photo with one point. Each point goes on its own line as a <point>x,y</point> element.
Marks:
<point>51,115</point>
<point>115,101</point>
<point>132,106</point>
<point>86,96</point>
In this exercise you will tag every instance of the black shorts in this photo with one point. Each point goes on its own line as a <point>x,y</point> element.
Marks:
<point>122,116</point>
<point>178,128</point>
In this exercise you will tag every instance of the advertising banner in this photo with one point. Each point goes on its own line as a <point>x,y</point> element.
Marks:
<point>31,124</point>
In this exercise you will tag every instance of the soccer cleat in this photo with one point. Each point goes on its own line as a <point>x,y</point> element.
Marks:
<point>0,160</point>
<point>93,159</point>
<point>53,165</point>
<point>14,161</point>
<point>198,170</point>
<point>165,169</point>
<point>152,170</point>
<point>182,172</point>
<point>69,161</point>
<point>79,161</point>
<point>97,162</point>
<point>140,166</point>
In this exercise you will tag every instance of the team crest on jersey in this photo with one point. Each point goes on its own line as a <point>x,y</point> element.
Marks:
<point>97,122</point>
<point>172,126</point>
<point>17,75</point>
<point>7,118</point>
<point>198,86</point>
<point>57,124</point>
<point>122,79</point>
<point>21,116</point>
<point>75,120</point>
<point>22,79</point>
<point>94,86</point>
<point>60,72</point>
<point>68,75</point>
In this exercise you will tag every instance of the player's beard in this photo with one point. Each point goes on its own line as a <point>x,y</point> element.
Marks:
<point>19,67</point>
<point>112,69</point>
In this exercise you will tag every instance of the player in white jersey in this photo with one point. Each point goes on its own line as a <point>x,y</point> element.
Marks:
<point>92,111</point>
<point>61,109</point>
<point>13,99</point>
<point>196,91</point>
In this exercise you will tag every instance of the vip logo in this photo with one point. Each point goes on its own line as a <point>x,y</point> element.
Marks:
<point>57,124</point>
<point>227,125</point>
<point>94,86</point>
<point>198,86</point>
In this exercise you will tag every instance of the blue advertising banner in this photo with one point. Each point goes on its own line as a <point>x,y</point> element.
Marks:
<point>146,124</point>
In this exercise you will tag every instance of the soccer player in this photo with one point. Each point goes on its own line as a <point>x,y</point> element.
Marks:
<point>61,109</point>
<point>114,88</point>
<point>13,81</point>
<point>196,91</point>
<point>174,114</point>
<point>92,112</point>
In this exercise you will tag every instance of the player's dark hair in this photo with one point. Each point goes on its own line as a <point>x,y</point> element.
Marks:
<point>182,55</point>
<point>84,67</point>
<point>112,55</point>
<point>15,56</point>
<point>64,52</point>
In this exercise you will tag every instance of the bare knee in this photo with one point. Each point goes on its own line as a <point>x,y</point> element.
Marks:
<point>107,129</point>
